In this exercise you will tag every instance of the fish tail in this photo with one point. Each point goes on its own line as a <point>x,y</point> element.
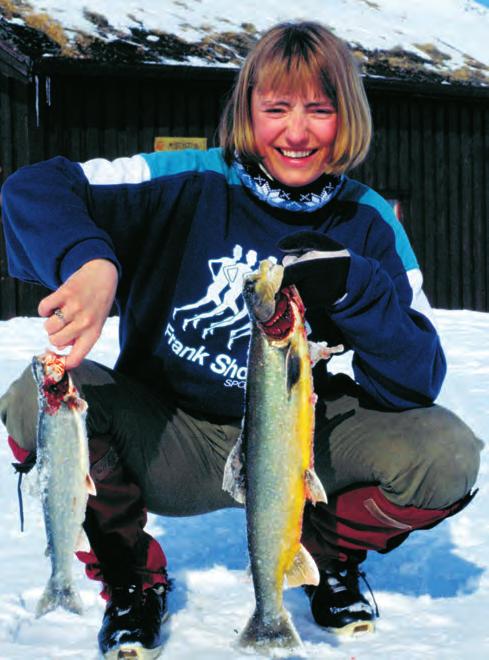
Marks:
<point>262,631</point>
<point>65,596</point>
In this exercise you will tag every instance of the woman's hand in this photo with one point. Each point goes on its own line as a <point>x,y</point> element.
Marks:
<point>84,301</point>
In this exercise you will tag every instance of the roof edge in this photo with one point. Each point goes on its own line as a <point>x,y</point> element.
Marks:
<point>64,66</point>
<point>425,87</point>
<point>14,63</point>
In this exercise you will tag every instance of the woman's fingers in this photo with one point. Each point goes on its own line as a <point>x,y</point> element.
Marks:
<point>80,348</point>
<point>77,311</point>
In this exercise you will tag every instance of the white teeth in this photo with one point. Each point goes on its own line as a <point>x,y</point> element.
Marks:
<point>296,154</point>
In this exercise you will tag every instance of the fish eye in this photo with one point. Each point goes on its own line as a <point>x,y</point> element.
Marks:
<point>248,286</point>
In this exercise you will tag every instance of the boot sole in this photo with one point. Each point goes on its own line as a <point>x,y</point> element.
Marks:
<point>355,628</point>
<point>133,653</point>
<point>130,652</point>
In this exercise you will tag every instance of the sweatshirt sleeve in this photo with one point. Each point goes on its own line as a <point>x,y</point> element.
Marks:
<point>48,229</point>
<point>398,359</point>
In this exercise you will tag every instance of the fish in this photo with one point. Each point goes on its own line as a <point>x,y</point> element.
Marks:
<point>63,475</point>
<point>270,469</point>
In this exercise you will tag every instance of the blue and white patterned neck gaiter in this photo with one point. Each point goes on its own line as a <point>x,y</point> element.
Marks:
<point>306,199</point>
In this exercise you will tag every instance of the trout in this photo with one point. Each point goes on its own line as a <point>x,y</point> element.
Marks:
<point>64,479</point>
<point>271,467</point>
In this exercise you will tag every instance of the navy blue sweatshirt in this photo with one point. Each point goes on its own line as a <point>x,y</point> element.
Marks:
<point>183,229</point>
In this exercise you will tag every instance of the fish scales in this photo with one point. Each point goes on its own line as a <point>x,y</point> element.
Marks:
<point>63,469</point>
<point>276,448</point>
<point>62,462</point>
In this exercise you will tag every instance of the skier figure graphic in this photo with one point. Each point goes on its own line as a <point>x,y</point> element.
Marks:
<point>232,295</point>
<point>221,277</point>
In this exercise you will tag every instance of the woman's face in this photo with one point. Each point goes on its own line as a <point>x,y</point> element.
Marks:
<point>294,134</point>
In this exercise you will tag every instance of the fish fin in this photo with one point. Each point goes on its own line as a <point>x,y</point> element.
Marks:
<point>303,569</point>
<point>76,403</point>
<point>264,632</point>
<point>90,485</point>
<point>314,488</point>
<point>319,350</point>
<point>293,368</point>
<point>54,596</point>
<point>233,481</point>
<point>82,543</point>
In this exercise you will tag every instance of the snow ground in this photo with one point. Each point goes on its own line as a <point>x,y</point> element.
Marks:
<point>433,592</point>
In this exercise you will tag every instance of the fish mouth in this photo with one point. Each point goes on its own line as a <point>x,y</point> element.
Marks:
<point>57,388</point>
<point>281,325</point>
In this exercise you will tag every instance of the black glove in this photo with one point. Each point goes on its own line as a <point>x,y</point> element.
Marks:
<point>317,265</point>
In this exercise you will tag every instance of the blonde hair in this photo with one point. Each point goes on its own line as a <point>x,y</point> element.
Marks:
<point>300,55</point>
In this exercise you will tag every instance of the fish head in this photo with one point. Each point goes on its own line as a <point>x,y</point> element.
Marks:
<point>278,312</point>
<point>261,288</point>
<point>54,383</point>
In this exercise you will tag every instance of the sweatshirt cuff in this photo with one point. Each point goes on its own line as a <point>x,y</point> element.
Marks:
<point>83,252</point>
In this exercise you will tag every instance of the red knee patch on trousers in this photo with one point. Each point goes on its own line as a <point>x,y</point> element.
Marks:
<point>363,519</point>
<point>19,454</point>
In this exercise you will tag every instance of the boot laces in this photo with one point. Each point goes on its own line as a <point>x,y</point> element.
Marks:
<point>346,579</point>
<point>364,578</point>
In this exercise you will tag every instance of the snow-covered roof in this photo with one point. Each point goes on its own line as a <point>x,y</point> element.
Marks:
<point>436,40</point>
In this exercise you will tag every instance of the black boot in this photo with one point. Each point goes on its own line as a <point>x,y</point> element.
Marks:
<point>338,604</point>
<point>131,627</point>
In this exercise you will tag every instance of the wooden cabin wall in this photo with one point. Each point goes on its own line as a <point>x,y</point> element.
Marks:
<point>433,155</point>
<point>113,117</point>
<point>17,148</point>
<point>430,152</point>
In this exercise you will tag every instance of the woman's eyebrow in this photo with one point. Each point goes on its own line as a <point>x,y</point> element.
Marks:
<point>321,102</point>
<point>276,101</point>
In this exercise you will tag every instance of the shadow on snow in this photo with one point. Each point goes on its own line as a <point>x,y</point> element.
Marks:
<point>424,564</point>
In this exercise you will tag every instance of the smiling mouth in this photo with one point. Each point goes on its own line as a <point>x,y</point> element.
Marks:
<point>289,153</point>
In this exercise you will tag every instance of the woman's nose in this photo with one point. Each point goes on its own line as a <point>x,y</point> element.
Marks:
<point>296,131</point>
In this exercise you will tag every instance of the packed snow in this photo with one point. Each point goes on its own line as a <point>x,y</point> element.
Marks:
<point>433,592</point>
<point>440,25</point>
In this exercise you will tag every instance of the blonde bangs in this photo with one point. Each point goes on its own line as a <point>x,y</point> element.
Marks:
<point>299,78</point>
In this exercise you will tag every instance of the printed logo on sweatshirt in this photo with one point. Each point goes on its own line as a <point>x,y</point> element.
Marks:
<point>221,311</point>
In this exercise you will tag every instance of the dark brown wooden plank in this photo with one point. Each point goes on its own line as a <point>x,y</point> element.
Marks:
<point>429,197</point>
<point>440,226</point>
<point>416,170</point>
<point>479,245</point>
<point>454,207</point>
<point>467,207</point>
<point>148,116</point>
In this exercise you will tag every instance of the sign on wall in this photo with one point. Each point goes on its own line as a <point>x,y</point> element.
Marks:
<point>179,143</point>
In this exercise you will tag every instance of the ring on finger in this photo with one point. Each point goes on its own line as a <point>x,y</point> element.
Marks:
<point>59,314</point>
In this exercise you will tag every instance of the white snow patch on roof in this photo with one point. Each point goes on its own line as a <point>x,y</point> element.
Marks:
<point>455,28</point>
